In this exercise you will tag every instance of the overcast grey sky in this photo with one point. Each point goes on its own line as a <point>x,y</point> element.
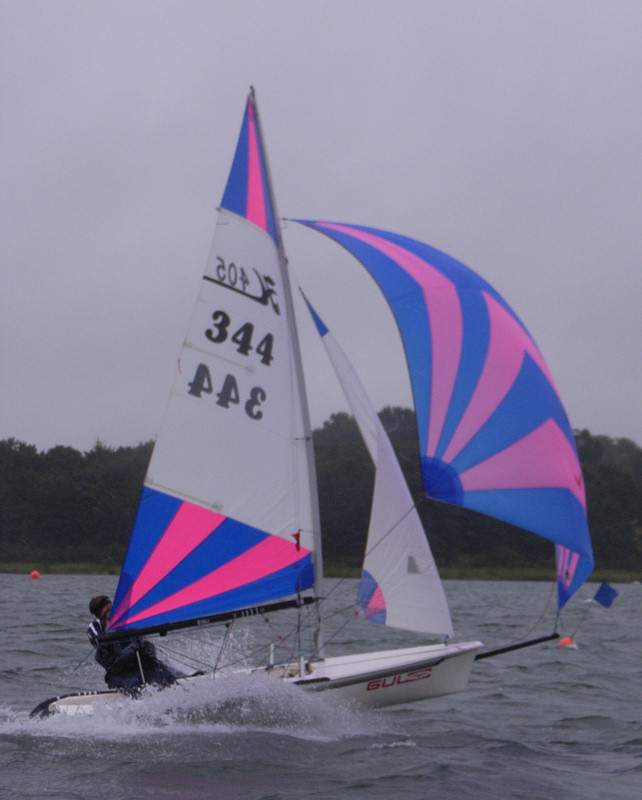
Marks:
<point>506,133</point>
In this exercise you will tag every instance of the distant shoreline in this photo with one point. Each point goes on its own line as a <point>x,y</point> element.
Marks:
<point>446,572</point>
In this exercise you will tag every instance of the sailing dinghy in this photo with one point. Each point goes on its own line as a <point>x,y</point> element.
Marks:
<point>228,523</point>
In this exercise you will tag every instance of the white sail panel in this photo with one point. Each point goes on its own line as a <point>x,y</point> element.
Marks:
<point>233,439</point>
<point>408,590</point>
<point>400,586</point>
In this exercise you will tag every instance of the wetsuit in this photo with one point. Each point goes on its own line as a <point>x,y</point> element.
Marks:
<point>120,661</point>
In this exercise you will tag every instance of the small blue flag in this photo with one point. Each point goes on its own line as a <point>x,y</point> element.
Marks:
<point>605,595</point>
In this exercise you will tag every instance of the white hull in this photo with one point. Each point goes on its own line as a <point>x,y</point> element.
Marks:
<point>378,679</point>
<point>391,677</point>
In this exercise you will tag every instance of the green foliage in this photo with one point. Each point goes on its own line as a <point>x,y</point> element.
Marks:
<point>64,506</point>
<point>612,471</point>
<point>345,477</point>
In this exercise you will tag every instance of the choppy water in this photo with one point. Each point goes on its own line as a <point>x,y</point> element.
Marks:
<point>545,722</point>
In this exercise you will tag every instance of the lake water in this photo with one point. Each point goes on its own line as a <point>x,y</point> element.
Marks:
<point>544,722</point>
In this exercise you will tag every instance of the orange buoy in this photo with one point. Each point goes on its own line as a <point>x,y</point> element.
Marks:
<point>569,641</point>
<point>35,574</point>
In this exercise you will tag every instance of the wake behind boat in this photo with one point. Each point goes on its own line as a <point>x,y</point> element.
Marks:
<point>228,523</point>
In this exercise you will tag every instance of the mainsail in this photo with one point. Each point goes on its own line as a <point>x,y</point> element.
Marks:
<point>493,434</point>
<point>228,516</point>
<point>400,585</point>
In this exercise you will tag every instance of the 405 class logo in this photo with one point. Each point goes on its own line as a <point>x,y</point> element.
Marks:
<point>398,680</point>
<point>230,276</point>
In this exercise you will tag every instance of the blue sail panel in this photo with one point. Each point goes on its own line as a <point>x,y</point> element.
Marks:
<point>370,599</point>
<point>493,433</point>
<point>195,562</point>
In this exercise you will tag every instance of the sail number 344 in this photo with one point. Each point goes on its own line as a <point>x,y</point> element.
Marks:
<point>229,394</point>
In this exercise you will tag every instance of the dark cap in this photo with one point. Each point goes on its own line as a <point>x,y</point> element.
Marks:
<point>97,604</point>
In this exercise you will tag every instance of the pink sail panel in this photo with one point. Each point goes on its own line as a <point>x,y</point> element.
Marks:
<point>567,562</point>
<point>247,192</point>
<point>189,528</point>
<point>544,458</point>
<point>269,556</point>
<point>442,302</point>
<point>509,341</point>
<point>376,605</point>
<point>256,201</point>
<point>508,344</point>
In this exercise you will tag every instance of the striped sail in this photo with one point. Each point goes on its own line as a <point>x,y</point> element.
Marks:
<point>226,519</point>
<point>493,434</point>
<point>400,585</point>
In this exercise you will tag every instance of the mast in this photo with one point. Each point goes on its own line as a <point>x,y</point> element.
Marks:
<point>305,411</point>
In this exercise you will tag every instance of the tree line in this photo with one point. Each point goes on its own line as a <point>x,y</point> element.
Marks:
<point>62,505</point>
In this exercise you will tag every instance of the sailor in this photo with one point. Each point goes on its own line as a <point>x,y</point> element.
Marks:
<point>128,664</point>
